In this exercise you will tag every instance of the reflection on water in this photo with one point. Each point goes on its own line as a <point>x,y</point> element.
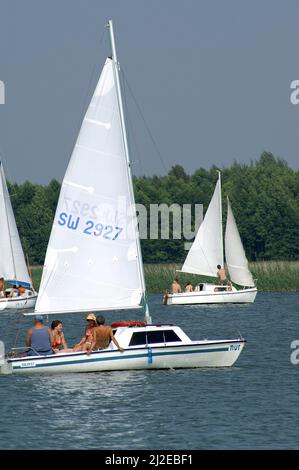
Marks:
<point>251,405</point>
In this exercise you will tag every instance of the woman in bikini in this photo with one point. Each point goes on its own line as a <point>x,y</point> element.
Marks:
<point>59,343</point>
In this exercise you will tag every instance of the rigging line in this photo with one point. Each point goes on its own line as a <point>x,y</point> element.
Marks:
<point>145,123</point>
<point>130,132</point>
<point>18,329</point>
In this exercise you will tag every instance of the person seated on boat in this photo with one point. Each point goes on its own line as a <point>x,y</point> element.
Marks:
<point>101,336</point>
<point>7,293</point>
<point>189,287</point>
<point>175,286</point>
<point>15,291</point>
<point>39,338</point>
<point>10,292</point>
<point>86,341</point>
<point>221,274</point>
<point>22,290</point>
<point>59,343</point>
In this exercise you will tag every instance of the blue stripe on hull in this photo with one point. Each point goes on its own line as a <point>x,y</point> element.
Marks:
<point>133,356</point>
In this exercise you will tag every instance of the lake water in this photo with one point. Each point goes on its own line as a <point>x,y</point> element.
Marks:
<point>252,405</point>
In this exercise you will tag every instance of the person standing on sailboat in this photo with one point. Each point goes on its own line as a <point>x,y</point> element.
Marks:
<point>221,274</point>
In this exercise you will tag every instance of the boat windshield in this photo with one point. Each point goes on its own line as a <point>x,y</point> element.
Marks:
<point>152,337</point>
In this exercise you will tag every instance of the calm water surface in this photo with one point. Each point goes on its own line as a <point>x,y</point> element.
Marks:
<point>252,405</point>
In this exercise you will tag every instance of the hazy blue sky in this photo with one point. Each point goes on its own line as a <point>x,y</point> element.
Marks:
<point>211,77</point>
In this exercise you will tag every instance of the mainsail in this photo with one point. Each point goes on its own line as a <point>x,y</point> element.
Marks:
<point>12,262</point>
<point>92,257</point>
<point>207,249</point>
<point>236,260</point>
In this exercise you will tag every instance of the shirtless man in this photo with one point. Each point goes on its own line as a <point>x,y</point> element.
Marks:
<point>221,274</point>
<point>102,334</point>
<point>175,287</point>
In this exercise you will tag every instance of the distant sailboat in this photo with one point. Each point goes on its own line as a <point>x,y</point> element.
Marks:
<point>13,269</point>
<point>94,261</point>
<point>206,254</point>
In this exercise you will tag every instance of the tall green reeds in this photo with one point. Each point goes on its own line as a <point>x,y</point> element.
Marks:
<point>279,276</point>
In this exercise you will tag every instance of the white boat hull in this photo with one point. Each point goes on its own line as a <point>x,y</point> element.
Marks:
<point>207,353</point>
<point>211,297</point>
<point>18,302</point>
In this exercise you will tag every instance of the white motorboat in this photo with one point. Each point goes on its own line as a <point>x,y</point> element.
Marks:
<point>206,253</point>
<point>93,260</point>
<point>13,269</point>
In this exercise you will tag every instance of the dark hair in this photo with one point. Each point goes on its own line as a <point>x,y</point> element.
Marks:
<point>55,323</point>
<point>100,320</point>
<point>218,266</point>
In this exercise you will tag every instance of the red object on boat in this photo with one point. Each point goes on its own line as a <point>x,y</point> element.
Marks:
<point>127,323</point>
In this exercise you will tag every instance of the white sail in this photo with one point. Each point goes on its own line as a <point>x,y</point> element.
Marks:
<point>12,262</point>
<point>236,260</point>
<point>92,257</point>
<point>207,249</point>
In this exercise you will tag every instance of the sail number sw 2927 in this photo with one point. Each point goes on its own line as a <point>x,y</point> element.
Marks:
<point>109,232</point>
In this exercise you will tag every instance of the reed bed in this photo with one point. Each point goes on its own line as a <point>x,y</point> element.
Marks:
<point>270,276</point>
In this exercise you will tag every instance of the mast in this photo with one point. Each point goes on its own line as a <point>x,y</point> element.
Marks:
<point>220,215</point>
<point>128,166</point>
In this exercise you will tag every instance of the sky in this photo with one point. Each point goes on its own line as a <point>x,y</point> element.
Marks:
<point>206,82</point>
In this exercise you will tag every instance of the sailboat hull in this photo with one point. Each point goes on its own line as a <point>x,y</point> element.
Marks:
<point>195,354</point>
<point>15,303</point>
<point>212,297</point>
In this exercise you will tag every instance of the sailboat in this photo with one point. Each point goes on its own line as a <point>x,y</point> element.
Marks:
<point>206,253</point>
<point>13,268</point>
<point>93,261</point>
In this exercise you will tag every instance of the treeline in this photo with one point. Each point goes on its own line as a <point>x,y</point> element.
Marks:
<point>264,195</point>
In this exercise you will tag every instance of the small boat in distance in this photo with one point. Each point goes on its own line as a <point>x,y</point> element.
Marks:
<point>93,261</point>
<point>13,269</point>
<point>206,253</point>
